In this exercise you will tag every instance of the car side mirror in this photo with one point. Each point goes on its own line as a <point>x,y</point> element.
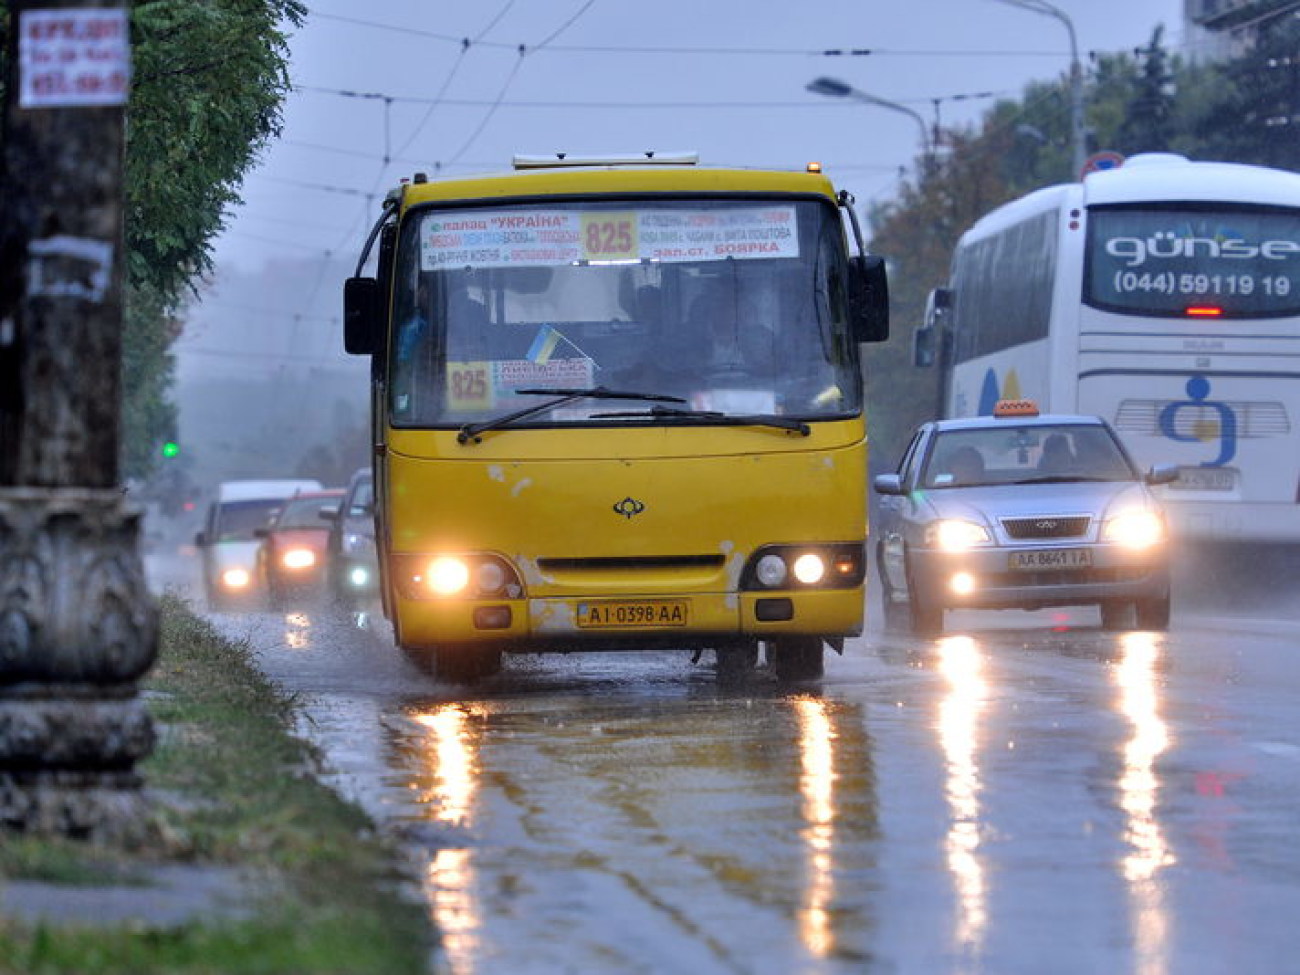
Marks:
<point>329,514</point>
<point>890,484</point>
<point>1161,474</point>
<point>261,533</point>
<point>868,298</point>
<point>200,539</point>
<point>361,316</point>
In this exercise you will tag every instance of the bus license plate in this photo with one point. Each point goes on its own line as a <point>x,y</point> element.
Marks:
<point>1052,558</point>
<point>633,613</point>
<point>1205,479</point>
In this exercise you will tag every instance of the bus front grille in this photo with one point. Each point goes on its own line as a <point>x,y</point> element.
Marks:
<point>631,563</point>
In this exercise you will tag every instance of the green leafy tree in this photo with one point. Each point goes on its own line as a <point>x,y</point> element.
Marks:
<point>1148,120</point>
<point>209,79</point>
<point>1253,115</point>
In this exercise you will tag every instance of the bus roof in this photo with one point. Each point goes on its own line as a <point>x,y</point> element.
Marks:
<point>618,178</point>
<point>268,490</point>
<point>1170,178</point>
<point>1158,177</point>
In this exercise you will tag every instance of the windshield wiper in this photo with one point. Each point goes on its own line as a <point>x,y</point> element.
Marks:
<point>471,431</point>
<point>1057,479</point>
<point>712,416</point>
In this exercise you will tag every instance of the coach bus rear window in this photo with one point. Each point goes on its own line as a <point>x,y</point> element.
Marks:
<point>1189,262</point>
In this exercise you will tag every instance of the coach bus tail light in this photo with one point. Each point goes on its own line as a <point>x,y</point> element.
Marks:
<point>1137,529</point>
<point>825,566</point>
<point>470,576</point>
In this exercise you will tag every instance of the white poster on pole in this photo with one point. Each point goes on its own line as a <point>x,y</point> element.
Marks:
<point>72,57</point>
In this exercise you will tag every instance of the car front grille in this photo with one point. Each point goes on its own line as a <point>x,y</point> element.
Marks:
<point>1047,526</point>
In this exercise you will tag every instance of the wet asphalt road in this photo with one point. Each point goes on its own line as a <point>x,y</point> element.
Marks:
<point>1027,794</point>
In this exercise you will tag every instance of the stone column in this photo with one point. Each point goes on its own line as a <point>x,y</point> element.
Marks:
<point>77,628</point>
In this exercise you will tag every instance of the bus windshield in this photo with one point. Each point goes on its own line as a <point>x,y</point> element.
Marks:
<point>1233,263</point>
<point>733,306</point>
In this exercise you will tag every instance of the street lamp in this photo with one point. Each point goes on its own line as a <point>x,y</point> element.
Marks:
<point>1080,151</point>
<point>835,88</point>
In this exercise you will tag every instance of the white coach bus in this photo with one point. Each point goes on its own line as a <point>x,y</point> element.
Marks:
<point>1163,295</point>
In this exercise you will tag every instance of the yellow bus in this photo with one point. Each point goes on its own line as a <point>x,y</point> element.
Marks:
<point>618,406</point>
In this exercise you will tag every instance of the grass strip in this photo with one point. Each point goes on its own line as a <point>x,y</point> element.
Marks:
<point>235,788</point>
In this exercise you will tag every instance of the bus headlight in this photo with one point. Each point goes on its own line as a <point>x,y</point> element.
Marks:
<point>1138,529</point>
<point>474,575</point>
<point>816,566</point>
<point>956,535</point>
<point>809,568</point>
<point>770,570</point>
<point>447,575</point>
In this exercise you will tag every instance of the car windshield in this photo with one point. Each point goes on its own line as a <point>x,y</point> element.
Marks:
<point>237,520</point>
<point>727,306</point>
<point>304,513</point>
<point>1025,454</point>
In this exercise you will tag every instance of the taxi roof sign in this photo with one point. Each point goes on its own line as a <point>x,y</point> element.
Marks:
<point>1015,407</point>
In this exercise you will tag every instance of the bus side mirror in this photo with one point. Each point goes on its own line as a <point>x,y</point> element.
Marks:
<point>923,352</point>
<point>868,298</point>
<point>361,316</point>
<point>925,340</point>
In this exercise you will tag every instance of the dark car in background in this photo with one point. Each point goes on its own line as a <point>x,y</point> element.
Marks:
<point>352,556</point>
<point>1021,511</point>
<point>293,558</point>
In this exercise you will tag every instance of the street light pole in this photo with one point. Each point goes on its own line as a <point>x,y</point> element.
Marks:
<point>1079,151</point>
<point>835,88</point>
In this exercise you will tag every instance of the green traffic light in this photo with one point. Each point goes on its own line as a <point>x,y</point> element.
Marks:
<point>171,448</point>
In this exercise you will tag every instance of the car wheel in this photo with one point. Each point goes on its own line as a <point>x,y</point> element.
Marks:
<point>926,615</point>
<point>736,659</point>
<point>1153,614</point>
<point>1114,614</point>
<point>797,657</point>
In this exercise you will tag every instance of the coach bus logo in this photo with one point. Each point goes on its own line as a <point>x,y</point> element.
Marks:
<point>1211,419</point>
<point>1164,245</point>
<point>629,507</point>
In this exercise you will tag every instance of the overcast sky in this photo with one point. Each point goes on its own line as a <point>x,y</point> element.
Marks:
<point>460,86</point>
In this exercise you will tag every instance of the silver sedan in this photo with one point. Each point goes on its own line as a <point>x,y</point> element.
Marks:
<point>1018,510</point>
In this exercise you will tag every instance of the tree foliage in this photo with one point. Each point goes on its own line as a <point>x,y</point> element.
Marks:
<point>208,81</point>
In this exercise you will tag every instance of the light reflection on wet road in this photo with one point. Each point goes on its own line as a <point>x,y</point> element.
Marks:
<point>1013,797</point>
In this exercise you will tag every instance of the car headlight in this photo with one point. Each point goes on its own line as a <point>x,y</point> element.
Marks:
<point>1136,529</point>
<point>298,558</point>
<point>236,578</point>
<point>956,535</point>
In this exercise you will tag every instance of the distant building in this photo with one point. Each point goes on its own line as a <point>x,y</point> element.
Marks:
<point>1218,29</point>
